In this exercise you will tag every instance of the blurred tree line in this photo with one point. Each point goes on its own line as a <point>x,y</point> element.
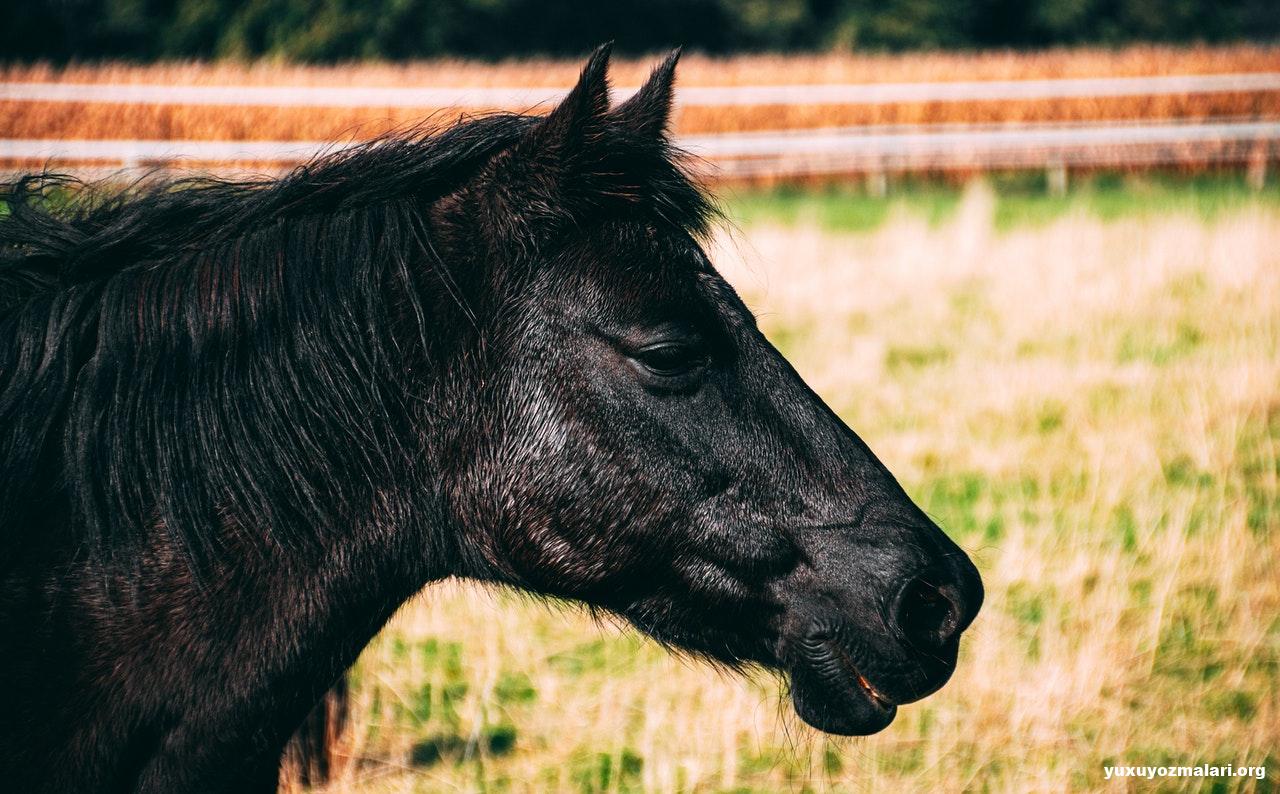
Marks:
<point>334,30</point>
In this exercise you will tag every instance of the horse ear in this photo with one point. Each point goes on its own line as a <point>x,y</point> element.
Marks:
<point>576,121</point>
<point>648,112</point>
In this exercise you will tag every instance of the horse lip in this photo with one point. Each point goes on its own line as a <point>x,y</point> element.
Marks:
<point>871,692</point>
<point>829,645</point>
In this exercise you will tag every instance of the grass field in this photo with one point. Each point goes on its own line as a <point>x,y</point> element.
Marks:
<point>1087,399</point>
<point>185,122</point>
<point>1019,198</point>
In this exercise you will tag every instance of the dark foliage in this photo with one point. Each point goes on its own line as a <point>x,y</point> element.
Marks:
<point>329,30</point>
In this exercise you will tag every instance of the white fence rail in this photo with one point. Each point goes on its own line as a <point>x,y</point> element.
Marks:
<point>846,149</point>
<point>694,96</point>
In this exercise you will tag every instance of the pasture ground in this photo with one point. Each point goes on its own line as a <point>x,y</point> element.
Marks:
<point>1082,390</point>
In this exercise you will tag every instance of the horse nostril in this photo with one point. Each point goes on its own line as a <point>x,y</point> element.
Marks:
<point>927,612</point>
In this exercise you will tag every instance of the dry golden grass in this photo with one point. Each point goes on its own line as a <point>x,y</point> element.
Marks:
<point>1089,407</point>
<point>695,70</point>
<point>183,122</point>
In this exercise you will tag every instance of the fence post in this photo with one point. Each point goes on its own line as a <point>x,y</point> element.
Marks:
<point>1056,177</point>
<point>877,183</point>
<point>1256,170</point>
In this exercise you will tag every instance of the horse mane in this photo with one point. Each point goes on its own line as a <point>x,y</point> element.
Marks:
<point>158,369</point>
<point>62,231</point>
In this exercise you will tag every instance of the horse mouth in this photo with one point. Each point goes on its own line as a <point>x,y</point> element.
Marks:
<point>831,694</point>
<point>874,695</point>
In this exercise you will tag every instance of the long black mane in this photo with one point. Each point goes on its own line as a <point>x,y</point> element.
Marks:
<point>184,354</point>
<point>62,231</point>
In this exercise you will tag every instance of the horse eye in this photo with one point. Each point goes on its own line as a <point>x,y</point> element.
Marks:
<point>671,359</point>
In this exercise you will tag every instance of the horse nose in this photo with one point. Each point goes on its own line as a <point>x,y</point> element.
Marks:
<point>931,608</point>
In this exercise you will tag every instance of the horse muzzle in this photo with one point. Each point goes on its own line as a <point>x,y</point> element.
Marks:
<point>849,679</point>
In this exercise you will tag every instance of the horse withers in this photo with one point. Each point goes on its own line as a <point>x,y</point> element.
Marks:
<point>241,423</point>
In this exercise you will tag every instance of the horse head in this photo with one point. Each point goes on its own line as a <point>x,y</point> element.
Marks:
<point>634,442</point>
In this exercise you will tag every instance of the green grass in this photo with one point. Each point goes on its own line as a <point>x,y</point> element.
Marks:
<point>1022,199</point>
<point>844,208</point>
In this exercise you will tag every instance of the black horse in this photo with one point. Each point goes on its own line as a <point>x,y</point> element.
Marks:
<point>241,423</point>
